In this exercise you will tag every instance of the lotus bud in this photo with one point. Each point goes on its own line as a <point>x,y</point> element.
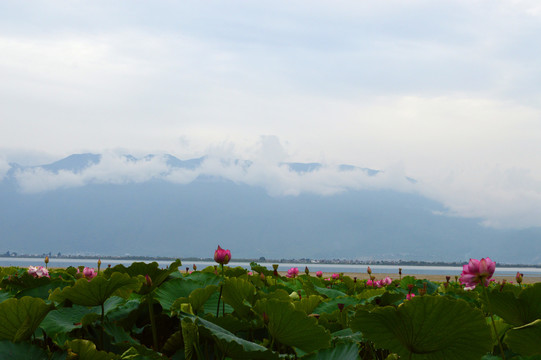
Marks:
<point>519,277</point>
<point>46,261</point>
<point>456,278</point>
<point>447,278</point>
<point>148,280</point>
<point>369,271</point>
<point>262,276</point>
<point>410,287</point>
<point>340,306</point>
<point>372,277</point>
<point>187,270</point>
<point>194,267</point>
<point>99,265</point>
<point>355,279</point>
<point>400,271</point>
<point>306,271</point>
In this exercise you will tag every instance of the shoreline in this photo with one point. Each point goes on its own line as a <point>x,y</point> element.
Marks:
<point>430,277</point>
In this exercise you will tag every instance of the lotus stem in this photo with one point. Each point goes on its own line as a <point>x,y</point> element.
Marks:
<point>152,322</point>
<point>485,290</point>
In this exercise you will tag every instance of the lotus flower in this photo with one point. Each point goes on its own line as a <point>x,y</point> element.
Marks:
<point>89,273</point>
<point>38,271</point>
<point>386,281</point>
<point>335,276</point>
<point>319,274</point>
<point>409,296</point>
<point>477,272</point>
<point>293,272</point>
<point>222,256</point>
<point>519,277</point>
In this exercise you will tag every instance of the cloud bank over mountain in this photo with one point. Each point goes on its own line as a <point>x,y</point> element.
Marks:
<point>510,201</point>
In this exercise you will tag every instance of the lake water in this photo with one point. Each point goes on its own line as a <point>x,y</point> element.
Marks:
<point>337,268</point>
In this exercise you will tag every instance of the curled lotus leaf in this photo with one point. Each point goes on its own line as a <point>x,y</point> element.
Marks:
<point>157,275</point>
<point>524,339</point>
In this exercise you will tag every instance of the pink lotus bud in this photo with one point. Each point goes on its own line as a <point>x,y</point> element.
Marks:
<point>222,256</point>
<point>409,296</point>
<point>148,280</point>
<point>194,267</point>
<point>319,274</point>
<point>369,271</point>
<point>335,276</point>
<point>519,278</point>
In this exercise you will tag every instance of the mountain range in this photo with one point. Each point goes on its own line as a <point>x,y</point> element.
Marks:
<point>74,206</point>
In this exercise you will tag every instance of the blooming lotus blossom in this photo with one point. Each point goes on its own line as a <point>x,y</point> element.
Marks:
<point>319,273</point>
<point>222,256</point>
<point>386,281</point>
<point>38,271</point>
<point>89,273</point>
<point>293,272</point>
<point>335,276</point>
<point>477,272</point>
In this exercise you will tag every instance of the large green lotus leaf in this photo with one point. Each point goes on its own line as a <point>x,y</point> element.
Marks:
<point>86,350</point>
<point>293,327</point>
<point>240,294</point>
<point>369,294</point>
<point>233,272</point>
<point>174,289</point>
<point>212,304</point>
<point>348,351</point>
<point>19,318</point>
<point>346,336</point>
<point>526,339</point>
<point>331,305</point>
<point>308,303</point>
<point>4,295</point>
<point>43,291</point>
<point>519,310</point>
<point>196,299</point>
<point>21,351</point>
<point>427,327</point>
<point>157,275</point>
<point>231,323</point>
<point>141,352</point>
<point>233,346</point>
<point>205,278</point>
<point>64,320</point>
<point>330,293</point>
<point>278,294</point>
<point>96,291</point>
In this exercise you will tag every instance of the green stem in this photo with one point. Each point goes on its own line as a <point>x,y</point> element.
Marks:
<point>493,323</point>
<point>152,322</point>
<point>102,325</point>
<point>223,303</point>
<point>220,296</point>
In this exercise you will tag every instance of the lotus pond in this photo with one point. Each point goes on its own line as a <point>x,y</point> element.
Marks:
<point>221,312</point>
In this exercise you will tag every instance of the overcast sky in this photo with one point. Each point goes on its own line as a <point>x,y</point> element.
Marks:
<point>446,92</point>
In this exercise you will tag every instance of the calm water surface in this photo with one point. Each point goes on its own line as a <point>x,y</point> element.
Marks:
<point>346,268</point>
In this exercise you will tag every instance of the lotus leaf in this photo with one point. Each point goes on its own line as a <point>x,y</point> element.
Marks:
<point>232,345</point>
<point>96,291</point>
<point>19,318</point>
<point>348,351</point>
<point>525,339</point>
<point>21,351</point>
<point>427,327</point>
<point>86,350</point>
<point>293,327</point>
<point>519,310</point>
<point>240,294</point>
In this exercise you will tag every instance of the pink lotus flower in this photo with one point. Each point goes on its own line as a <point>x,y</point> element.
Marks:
<point>319,274</point>
<point>38,271</point>
<point>335,276</point>
<point>386,281</point>
<point>409,296</point>
<point>222,256</point>
<point>369,282</point>
<point>293,272</point>
<point>89,273</point>
<point>477,272</point>
<point>250,273</point>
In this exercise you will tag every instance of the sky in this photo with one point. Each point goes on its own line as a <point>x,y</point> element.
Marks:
<point>444,92</point>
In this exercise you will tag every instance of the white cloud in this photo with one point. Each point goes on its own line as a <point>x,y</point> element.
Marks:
<point>4,168</point>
